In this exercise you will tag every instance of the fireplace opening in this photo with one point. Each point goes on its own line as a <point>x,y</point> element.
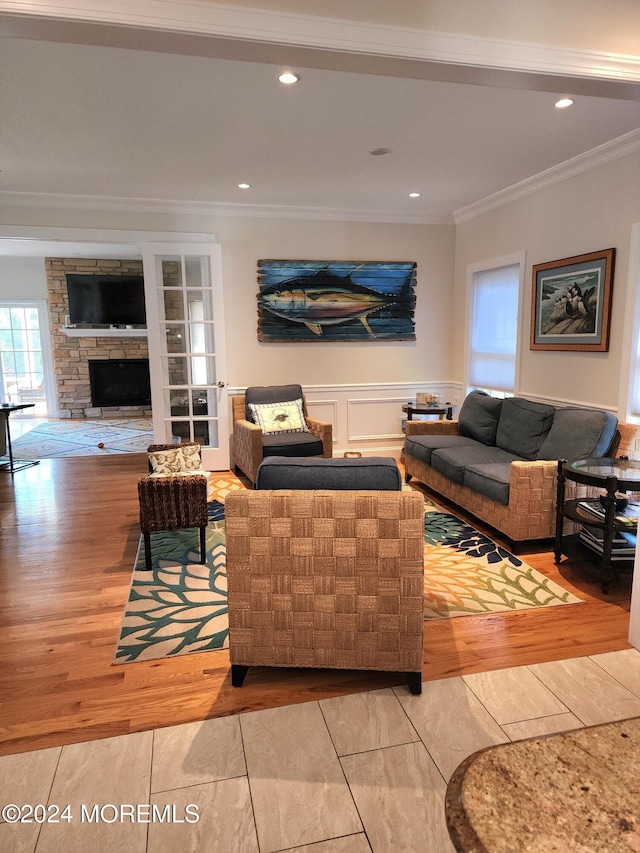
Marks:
<point>120,382</point>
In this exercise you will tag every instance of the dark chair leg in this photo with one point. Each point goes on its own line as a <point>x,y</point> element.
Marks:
<point>414,682</point>
<point>147,551</point>
<point>203,544</point>
<point>407,477</point>
<point>238,672</point>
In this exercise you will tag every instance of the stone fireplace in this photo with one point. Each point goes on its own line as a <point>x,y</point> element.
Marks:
<point>71,355</point>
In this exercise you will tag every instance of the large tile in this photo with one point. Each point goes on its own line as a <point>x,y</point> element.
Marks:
<point>365,721</point>
<point>225,819</point>
<point>347,844</point>
<point>624,666</point>
<point>542,726</point>
<point>587,690</point>
<point>297,786</point>
<point>112,773</point>
<point>451,721</point>
<point>27,777</point>
<point>512,695</point>
<point>400,797</point>
<point>195,753</point>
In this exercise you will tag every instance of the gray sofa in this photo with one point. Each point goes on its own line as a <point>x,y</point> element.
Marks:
<point>499,460</point>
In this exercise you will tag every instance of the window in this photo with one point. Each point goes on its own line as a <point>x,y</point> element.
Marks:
<point>493,329</point>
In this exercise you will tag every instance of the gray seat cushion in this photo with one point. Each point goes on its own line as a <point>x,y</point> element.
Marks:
<point>422,446</point>
<point>452,463</point>
<point>579,434</point>
<point>291,444</point>
<point>523,426</point>
<point>373,472</point>
<point>479,417</point>
<point>491,480</point>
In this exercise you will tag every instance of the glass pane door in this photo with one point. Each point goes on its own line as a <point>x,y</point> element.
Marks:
<point>186,349</point>
<point>22,360</point>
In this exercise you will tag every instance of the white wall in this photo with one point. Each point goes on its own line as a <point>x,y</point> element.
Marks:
<point>585,213</point>
<point>22,278</point>
<point>360,387</point>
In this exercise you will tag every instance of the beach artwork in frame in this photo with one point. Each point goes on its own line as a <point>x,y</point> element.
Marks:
<point>571,307</point>
<point>336,301</point>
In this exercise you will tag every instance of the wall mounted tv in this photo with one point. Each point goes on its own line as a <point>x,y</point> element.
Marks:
<point>114,300</point>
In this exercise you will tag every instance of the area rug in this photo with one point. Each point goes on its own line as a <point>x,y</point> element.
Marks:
<point>180,606</point>
<point>83,438</point>
<point>467,573</point>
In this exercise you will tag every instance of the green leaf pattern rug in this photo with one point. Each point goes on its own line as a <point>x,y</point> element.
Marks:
<point>181,606</point>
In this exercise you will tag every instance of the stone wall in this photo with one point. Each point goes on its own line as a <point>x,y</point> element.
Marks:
<point>71,355</point>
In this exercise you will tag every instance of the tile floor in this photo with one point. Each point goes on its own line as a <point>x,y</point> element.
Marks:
<point>358,773</point>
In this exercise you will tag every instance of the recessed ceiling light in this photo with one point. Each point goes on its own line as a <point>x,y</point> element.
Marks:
<point>377,152</point>
<point>244,186</point>
<point>414,195</point>
<point>288,78</point>
<point>563,103</point>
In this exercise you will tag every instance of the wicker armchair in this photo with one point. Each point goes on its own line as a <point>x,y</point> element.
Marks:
<point>172,502</point>
<point>330,579</point>
<point>250,445</point>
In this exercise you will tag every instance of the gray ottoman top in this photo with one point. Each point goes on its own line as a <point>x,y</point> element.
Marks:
<point>373,472</point>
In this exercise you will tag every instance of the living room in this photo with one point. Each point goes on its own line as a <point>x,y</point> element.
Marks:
<point>591,202</point>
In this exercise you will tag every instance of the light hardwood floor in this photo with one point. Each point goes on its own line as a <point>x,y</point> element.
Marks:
<point>69,537</point>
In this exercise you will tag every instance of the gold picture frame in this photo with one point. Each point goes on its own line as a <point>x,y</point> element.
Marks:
<point>571,303</point>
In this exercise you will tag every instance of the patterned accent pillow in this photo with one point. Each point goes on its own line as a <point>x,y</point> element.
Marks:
<point>175,461</point>
<point>279,417</point>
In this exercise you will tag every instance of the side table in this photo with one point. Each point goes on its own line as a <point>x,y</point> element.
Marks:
<point>10,467</point>
<point>412,409</point>
<point>612,475</point>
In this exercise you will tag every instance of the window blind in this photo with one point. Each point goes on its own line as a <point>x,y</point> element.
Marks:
<point>494,329</point>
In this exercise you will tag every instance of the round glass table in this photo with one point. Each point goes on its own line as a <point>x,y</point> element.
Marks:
<point>608,521</point>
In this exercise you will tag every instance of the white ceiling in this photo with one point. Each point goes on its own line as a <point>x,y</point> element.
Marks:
<point>81,120</point>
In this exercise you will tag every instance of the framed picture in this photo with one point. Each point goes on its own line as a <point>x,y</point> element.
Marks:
<point>571,307</point>
<point>336,301</point>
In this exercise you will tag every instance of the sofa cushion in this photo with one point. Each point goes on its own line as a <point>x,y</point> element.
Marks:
<point>291,444</point>
<point>374,472</point>
<point>452,463</point>
<point>422,446</point>
<point>523,426</point>
<point>270,394</point>
<point>479,416</point>
<point>579,434</point>
<point>491,480</point>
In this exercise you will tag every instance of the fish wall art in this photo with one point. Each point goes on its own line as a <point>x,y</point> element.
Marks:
<point>336,301</point>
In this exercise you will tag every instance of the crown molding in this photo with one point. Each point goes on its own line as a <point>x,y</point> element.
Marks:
<point>276,27</point>
<point>205,208</point>
<point>613,150</point>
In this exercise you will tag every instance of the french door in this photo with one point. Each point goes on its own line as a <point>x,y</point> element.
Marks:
<point>185,324</point>
<point>25,360</point>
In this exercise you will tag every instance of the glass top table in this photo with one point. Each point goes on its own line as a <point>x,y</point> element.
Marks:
<point>625,471</point>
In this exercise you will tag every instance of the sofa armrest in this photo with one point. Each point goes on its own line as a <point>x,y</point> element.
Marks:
<point>247,447</point>
<point>324,431</point>
<point>431,428</point>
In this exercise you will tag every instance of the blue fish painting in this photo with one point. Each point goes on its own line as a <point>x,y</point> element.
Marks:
<point>336,301</point>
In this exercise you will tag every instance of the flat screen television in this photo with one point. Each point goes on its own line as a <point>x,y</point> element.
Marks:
<point>114,300</point>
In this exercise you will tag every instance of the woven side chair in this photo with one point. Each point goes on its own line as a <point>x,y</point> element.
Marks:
<point>172,502</point>
<point>329,579</point>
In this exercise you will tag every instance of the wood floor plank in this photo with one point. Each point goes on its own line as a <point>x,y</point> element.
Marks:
<point>70,535</point>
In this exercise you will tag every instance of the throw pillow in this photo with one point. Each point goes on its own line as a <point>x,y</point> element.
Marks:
<point>175,461</point>
<point>279,417</point>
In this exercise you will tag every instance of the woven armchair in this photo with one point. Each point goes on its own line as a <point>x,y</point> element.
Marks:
<point>250,446</point>
<point>330,579</point>
<point>172,502</point>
